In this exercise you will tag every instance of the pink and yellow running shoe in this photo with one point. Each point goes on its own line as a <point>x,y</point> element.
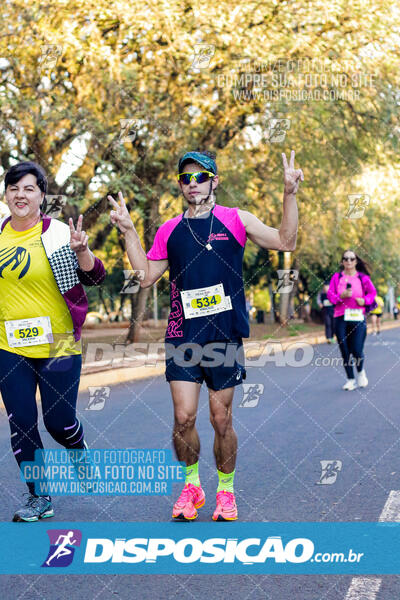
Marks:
<point>226,507</point>
<point>192,497</point>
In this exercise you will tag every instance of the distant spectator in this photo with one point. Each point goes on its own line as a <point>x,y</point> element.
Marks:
<point>327,310</point>
<point>248,308</point>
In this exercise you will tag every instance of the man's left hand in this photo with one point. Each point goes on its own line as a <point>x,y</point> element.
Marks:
<point>291,176</point>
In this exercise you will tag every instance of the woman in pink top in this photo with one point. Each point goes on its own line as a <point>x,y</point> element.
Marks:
<point>352,293</point>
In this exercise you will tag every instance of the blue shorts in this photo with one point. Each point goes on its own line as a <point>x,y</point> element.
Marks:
<point>219,364</point>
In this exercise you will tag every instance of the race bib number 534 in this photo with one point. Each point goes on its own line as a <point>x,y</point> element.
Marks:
<point>205,301</point>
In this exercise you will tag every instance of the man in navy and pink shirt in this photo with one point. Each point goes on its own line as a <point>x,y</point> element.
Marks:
<point>353,295</point>
<point>203,248</point>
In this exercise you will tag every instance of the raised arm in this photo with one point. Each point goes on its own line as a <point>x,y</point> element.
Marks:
<point>369,290</point>
<point>91,270</point>
<point>153,269</point>
<point>283,238</point>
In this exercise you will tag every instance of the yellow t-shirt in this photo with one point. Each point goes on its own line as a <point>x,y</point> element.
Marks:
<point>379,309</point>
<point>28,289</point>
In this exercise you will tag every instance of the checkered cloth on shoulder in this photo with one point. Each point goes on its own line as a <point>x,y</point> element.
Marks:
<point>63,263</point>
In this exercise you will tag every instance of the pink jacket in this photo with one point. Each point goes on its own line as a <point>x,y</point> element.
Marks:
<point>368,292</point>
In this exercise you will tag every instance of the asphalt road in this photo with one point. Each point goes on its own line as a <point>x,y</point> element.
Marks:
<point>301,418</point>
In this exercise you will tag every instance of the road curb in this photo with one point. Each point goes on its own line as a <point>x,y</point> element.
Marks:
<point>124,374</point>
<point>120,375</point>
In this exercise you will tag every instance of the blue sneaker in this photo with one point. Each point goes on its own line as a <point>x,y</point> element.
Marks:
<point>36,507</point>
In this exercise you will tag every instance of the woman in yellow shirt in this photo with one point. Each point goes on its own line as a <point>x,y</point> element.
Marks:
<point>43,263</point>
<point>376,315</point>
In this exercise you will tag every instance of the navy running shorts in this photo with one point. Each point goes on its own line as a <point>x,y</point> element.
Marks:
<point>219,364</point>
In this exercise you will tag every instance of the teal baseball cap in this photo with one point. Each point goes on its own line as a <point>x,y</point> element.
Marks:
<point>205,161</point>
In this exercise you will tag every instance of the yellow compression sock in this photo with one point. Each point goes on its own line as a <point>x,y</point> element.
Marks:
<point>225,481</point>
<point>192,474</point>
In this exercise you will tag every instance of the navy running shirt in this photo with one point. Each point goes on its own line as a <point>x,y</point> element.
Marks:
<point>192,266</point>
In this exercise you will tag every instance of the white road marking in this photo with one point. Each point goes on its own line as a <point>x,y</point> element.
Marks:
<point>391,510</point>
<point>363,588</point>
<point>366,588</point>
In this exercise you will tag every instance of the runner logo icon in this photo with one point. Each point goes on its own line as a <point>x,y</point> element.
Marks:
<point>97,397</point>
<point>62,547</point>
<point>329,471</point>
<point>251,394</point>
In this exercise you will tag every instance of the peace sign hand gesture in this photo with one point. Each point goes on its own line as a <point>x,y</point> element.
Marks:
<point>291,176</point>
<point>79,239</point>
<point>120,215</point>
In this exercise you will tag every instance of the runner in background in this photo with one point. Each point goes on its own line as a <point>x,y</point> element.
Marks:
<point>352,293</point>
<point>396,308</point>
<point>376,315</point>
<point>327,309</point>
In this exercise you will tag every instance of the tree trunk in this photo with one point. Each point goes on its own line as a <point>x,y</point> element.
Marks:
<point>138,307</point>
<point>102,300</point>
<point>138,303</point>
<point>293,292</point>
<point>273,317</point>
<point>284,298</point>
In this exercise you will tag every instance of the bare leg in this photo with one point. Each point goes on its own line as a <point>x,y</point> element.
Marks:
<point>185,396</point>
<point>225,440</point>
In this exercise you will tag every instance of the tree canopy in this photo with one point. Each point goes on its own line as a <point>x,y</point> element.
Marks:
<point>107,95</point>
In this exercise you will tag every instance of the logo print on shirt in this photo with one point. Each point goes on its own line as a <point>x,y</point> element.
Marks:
<point>175,316</point>
<point>15,256</point>
<point>217,237</point>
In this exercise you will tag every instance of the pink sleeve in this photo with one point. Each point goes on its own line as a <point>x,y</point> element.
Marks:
<point>370,290</point>
<point>159,251</point>
<point>332,292</point>
<point>230,218</point>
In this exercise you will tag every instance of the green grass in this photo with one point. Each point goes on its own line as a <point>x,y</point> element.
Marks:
<point>297,329</point>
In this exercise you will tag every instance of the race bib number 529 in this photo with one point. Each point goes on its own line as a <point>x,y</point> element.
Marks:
<point>28,332</point>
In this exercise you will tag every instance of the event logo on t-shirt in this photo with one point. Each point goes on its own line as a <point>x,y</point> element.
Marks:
<point>217,236</point>
<point>17,257</point>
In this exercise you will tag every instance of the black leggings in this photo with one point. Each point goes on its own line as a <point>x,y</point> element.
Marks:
<point>58,381</point>
<point>351,337</point>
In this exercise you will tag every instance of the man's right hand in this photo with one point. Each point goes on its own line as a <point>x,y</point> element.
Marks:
<point>120,215</point>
